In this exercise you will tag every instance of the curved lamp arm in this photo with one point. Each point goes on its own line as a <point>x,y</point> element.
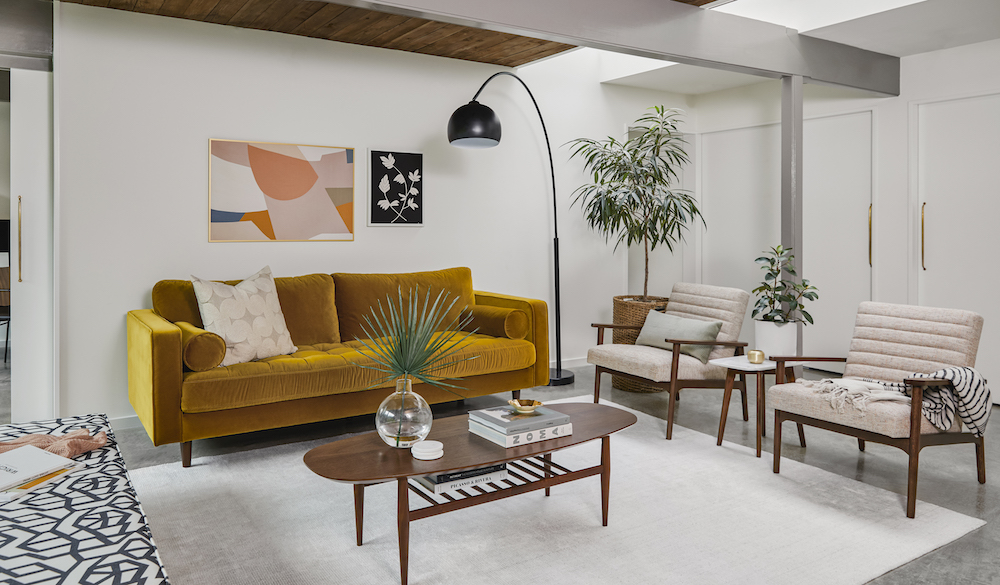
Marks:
<point>557,377</point>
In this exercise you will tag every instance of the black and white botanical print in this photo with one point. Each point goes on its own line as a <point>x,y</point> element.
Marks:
<point>396,188</point>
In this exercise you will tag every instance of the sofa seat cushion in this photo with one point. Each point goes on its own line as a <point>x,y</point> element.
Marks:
<point>651,363</point>
<point>891,419</point>
<point>331,368</point>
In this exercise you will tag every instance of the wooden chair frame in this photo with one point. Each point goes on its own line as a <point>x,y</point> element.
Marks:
<point>674,385</point>
<point>910,445</point>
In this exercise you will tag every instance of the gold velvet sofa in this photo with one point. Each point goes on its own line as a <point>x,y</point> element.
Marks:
<point>181,395</point>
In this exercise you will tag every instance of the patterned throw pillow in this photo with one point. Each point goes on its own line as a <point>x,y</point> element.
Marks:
<point>247,316</point>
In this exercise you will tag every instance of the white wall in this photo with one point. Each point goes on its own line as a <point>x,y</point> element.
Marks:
<point>4,166</point>
<point>138,98</point>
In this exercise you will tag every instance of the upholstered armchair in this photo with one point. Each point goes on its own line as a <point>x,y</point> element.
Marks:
<point>891,342</point>
<point>673,369</point>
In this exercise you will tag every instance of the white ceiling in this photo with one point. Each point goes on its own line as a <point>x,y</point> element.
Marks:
<point>894,27</point>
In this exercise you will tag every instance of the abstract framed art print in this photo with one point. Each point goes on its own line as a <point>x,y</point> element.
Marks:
<point>396,196</point>
<point>273,192</point>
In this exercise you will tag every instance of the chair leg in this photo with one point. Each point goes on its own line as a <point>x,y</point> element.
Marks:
<point>670,410</point>
<point>777,442</point>
<point>186,454</point>
<point>861,444</point>
<point>802,435</point>
<point>911,482</point>
<point>515,394</point>
<point>6,344</point>
<point>597,384</point>
<point>981,459</point>
<point>743,396</point>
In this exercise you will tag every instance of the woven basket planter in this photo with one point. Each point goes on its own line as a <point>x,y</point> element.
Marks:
<point>628,311</point>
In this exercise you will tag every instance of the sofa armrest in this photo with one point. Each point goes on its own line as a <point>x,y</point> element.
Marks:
<point>497,321</point>
<point>538,326</point>
<point>155,373</point>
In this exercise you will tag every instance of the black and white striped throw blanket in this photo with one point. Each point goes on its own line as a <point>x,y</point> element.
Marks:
<point>968,396</point>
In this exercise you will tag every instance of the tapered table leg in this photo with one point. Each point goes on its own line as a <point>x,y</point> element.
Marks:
<point>359,509</point>
<point>760,409</point>
<point>403,512</point>
<point>547,458</point>
<point>605,477</point>
<point>726,397</point>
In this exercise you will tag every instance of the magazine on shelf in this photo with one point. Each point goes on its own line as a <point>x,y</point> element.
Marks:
<point>518,439</point>
<point>26,463</point>
<point>508,421</point>
<point>439,488</point>
<point>464,473</point>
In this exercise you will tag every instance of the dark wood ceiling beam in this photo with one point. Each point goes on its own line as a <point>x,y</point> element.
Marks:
<point>318,20</point>
<point>249,13</point>
<point>302,12</point>
<point>274,13</point>
<point>200,9</point>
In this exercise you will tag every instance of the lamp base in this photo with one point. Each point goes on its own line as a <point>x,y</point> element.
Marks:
<point>560,377</point>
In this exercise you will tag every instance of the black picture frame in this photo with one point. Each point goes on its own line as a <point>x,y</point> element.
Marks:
<point>396,188</point>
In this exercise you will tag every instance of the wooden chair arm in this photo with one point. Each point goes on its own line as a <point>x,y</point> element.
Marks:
<point>926,382</point>
<point>795,358</point>
<point>602,326</point>
<point>722,343</point>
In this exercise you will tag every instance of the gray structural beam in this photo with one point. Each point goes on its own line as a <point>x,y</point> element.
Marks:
<point>26,34</point>
<point>663,29</point>
<point>791,173</point>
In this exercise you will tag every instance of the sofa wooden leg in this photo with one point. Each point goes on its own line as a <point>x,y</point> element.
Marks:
<point>981,459</point>
<point>861,444</point>
<point>186,454</point>
<point>515,394</point>
<point>777,442</point>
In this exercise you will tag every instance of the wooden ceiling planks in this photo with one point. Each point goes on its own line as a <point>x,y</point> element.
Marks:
<point>334,22</point>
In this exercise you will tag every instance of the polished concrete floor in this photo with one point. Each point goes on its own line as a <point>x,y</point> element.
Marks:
<point>947,473</point>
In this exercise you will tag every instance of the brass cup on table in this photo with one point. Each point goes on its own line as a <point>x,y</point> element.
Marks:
<point>755,356</point>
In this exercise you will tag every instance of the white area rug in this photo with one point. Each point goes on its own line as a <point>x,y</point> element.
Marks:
<point>683,511</point>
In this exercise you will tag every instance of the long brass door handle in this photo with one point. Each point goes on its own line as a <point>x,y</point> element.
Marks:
<point>922,265</point>
<point>869,235</point>
<point>19,239</point>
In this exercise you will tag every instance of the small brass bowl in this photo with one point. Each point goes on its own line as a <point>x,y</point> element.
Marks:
<point>755,356</point>
<point>524,406</point>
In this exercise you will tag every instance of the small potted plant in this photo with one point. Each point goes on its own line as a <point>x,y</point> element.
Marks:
<point>409,340</point>
<point>780,304</point>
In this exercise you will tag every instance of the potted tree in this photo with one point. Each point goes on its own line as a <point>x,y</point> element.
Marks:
<point>632,200</point>
<point>780,304</point>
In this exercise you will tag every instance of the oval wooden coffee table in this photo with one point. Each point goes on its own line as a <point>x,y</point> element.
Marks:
<point>366,460</point>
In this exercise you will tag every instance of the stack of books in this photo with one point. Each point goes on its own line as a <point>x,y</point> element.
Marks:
<point>507,427</point>
<point>443,482</point>
<point>28,467</point>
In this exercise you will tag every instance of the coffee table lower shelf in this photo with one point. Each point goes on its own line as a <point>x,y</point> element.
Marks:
<point>530,474</point>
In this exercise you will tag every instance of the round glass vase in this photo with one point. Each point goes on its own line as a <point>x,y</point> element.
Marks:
<point>404,417</point>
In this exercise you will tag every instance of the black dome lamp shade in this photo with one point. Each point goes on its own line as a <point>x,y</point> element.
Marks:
<point>477,126</point>
<point>474,126</point>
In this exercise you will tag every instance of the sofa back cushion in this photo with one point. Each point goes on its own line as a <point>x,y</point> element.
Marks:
<point>358,293</point>
<point>306,301</point>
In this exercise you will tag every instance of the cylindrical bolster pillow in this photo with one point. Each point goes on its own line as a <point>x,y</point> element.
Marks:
<point>202,350</point>
<point>498,321</point>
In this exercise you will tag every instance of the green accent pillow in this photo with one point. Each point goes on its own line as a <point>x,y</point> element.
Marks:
<point>660,326</point>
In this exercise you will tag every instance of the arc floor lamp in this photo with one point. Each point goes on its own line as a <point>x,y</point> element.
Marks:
<point>475,125</point>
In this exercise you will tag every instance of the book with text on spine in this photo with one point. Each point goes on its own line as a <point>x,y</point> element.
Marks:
<point>27,462</point>
<point>464,473</point>
<point>506,420</point>
<point>438,488</point>
<point>518,439</point>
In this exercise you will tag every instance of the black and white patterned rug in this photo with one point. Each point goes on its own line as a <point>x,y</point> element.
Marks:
<point>86,528</point>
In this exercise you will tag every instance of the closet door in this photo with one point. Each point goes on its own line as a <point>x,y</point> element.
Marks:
<point>836,198</point>
<point>959,197</point>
